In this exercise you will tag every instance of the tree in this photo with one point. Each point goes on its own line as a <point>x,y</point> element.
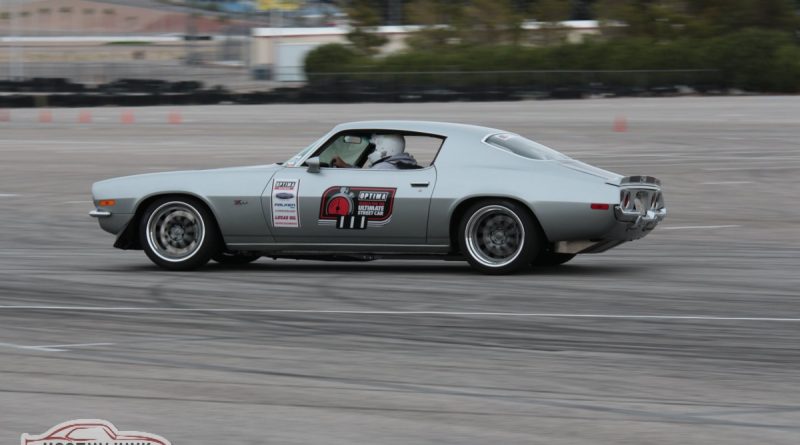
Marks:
<point>550,13</point>
<point>364,20</point>
<point>490,22</point>
<point>667,19</point>
<point>717,16</point>
<point>439,20</point>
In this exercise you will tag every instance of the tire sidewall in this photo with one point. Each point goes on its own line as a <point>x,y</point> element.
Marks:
<point>531,243</point>
<point>208,246</point>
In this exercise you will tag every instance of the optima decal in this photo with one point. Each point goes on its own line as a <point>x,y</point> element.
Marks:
<point>284,204</point>
<point>356,207</point>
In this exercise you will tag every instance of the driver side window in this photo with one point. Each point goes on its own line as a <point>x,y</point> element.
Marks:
<point>350,147</point>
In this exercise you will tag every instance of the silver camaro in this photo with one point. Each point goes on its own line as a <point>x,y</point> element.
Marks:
<point>494,198</point>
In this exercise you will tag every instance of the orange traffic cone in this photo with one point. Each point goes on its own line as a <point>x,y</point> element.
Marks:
<point>175,117</point>
<point>620,124</point>
<point>85,117</point>
<point>127,117</point>
<point>45,116</point>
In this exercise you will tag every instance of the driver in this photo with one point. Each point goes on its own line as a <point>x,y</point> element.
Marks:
<point>389,154</point>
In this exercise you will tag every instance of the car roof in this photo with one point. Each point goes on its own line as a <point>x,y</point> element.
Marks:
<point>446,129</point>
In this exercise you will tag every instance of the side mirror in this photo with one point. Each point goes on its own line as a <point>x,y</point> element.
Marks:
<point>313,164</point>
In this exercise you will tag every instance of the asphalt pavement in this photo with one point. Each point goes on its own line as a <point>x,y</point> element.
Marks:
<point>688,336</point>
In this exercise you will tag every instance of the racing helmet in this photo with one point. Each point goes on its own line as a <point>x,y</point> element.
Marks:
<point>386,145</point>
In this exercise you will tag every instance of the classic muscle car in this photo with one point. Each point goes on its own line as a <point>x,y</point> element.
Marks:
<point>494,198</point>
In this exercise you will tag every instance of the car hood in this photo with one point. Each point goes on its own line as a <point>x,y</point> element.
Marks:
<point>266,169</point>
<point>199,182</point>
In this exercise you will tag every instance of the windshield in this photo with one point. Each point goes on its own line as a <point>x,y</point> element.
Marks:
<point>292,162</point>
<point>524,147</point>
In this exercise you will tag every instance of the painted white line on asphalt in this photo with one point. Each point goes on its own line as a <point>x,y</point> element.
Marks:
<point>727,226</point>
<point>726,182</point>
<point>35,348</point>
<point>52,348</point>
<point>74,345</point>
<point>402,313</point>
<point>721,169</point>
<point>8,195</point>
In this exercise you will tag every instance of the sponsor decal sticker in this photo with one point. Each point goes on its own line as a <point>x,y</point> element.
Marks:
<point>356,207</point>
<point>284,203</point>
<point>91,431</point>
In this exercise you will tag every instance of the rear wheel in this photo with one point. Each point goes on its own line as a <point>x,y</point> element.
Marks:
<point>234,258</point>
<point>178,233</point>
<point>498,236</point>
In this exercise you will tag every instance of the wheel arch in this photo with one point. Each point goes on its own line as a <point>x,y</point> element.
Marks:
<point>129,238</point>
<point>462,206</point>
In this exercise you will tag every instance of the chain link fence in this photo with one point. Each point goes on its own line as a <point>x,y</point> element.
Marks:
<point>566,83</point>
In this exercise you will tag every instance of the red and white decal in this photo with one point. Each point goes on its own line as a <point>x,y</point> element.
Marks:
<point>285,212</point>
<point>356,207</point>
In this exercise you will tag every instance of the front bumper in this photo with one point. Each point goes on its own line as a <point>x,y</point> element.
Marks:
<point>100,213</point>
<point>111,222</point>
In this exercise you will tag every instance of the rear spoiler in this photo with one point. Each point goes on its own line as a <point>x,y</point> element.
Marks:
<point>638,180</point>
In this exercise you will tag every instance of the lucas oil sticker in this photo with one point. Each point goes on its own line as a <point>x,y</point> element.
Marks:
<point>356,207</point>
<point>284,203</point>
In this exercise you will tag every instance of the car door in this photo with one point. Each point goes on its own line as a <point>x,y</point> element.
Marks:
<point>350,205</point>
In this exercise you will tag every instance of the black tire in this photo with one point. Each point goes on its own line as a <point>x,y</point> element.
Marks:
<point>178,233</point>
<point>551,259</point>
<point>234,258</point>
<point>498,236</point>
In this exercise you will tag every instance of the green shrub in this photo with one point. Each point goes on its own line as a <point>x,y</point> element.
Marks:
<point>754,60</point>
<point>748,59</point>
<point>332,58</point>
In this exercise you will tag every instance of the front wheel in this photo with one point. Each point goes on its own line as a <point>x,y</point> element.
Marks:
<point>178,233</point>
<point>498,237</point>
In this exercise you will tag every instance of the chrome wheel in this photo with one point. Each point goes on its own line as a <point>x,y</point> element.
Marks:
<point>495,236</point>
<point>175,231</point>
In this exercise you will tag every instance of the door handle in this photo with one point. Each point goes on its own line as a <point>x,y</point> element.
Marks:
<point>420,184</point>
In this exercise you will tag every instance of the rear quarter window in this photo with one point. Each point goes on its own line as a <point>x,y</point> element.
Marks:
<point>523,147</point>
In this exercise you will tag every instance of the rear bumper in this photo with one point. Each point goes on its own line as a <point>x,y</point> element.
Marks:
<point>634,225</point>
<point>628,226</point>
<point>635,220</point>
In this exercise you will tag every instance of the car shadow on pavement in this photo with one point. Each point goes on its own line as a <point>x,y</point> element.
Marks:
<point>394,267</point>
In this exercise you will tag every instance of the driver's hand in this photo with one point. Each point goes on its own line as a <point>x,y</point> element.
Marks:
<point>337,161</point>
